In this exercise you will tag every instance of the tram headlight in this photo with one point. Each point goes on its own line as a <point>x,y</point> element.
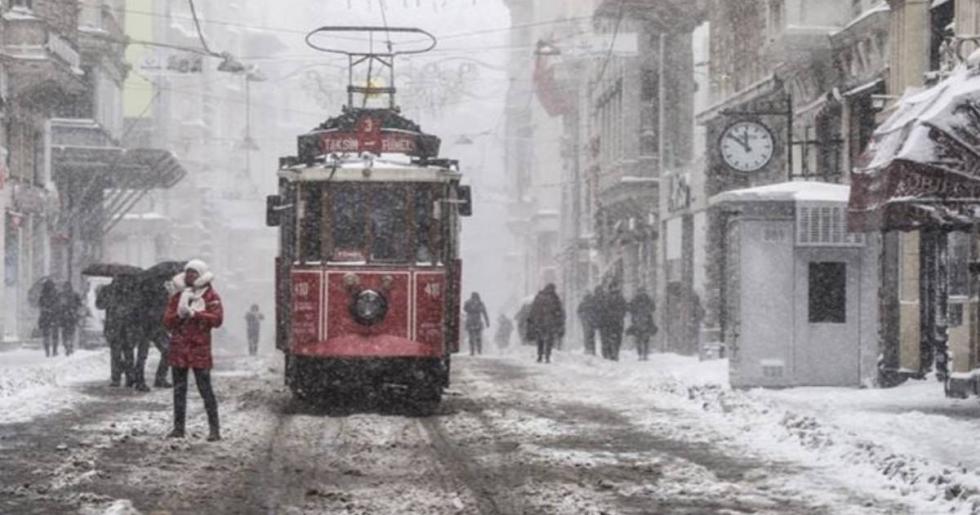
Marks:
<point>369,307</point>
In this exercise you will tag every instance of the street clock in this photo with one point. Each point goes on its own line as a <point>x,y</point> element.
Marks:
<point>747,146</point>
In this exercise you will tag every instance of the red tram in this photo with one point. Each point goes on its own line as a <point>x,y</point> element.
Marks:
<point>368,272</point>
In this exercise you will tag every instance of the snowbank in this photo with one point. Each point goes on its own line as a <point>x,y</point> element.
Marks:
<point>908,444</point>
<point>32,384</point>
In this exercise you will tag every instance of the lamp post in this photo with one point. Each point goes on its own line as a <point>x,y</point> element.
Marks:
<point>248,144</point>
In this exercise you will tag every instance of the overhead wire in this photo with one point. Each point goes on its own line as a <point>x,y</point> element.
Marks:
<point>200,34</point>
<point>612,45</point>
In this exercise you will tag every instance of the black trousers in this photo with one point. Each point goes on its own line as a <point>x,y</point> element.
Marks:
<point>162,342</point>
<point>643,344</point>
<point>202,376</point>
<point>68,337</point>
<point>612,340</point>
<point>588,332</point>
<point>545,344</point>
<point>253,343</point>
<point>476,341</point>
<point>49,335</point>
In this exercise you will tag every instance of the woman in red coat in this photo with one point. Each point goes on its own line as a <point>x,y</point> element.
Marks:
<point>191,314</point>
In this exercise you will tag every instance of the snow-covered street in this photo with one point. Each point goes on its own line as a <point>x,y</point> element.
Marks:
<point>580,435</point>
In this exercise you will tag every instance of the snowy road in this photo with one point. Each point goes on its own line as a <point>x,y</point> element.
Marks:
<point>512,437</point>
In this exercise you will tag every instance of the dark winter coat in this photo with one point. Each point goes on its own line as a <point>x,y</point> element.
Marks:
<point>587,310</point>
<point>69,304</point>
<point>122,301</point>
<point>190,338</point>
<point>48,305</point>
<point>476,314</point>
<point>641,313</point>
<point>611,310</point>
<point>547,316</point>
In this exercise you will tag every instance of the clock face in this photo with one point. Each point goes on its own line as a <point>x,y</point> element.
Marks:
<point>747,146</point>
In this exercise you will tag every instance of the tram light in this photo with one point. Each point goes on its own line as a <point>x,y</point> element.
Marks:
<point>465,201</point>
<point>369,307</point>
<point>351,280</point>
<point>272,209</point>
<point>386,282</point>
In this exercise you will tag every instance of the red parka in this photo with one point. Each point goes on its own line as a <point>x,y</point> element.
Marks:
<point>190,338</point>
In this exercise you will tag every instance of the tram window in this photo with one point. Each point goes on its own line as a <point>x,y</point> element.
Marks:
<point>424,248</point>
<point>347,222</point>
<point>389,225</point>
<point>309,223</point>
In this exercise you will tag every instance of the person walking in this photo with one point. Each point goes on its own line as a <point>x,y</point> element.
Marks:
<point>253,323</point>
<point>69,307</point>
<point>587,315</point>
<point>504,329</point>
<point>476,317</point>
<point>641,308</point>
<point>191,315</point>
<point>123,327</point>
<point>546,321</point>
<point>612,313</point>
<point>153,297</point>
<point>47,320</point>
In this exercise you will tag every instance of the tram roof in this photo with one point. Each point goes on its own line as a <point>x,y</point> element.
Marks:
<point>369,171</point>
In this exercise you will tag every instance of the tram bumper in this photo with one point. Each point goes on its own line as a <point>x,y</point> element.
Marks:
<point>400,374</point>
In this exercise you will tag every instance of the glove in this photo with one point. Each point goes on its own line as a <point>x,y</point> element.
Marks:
<point>183,311</point>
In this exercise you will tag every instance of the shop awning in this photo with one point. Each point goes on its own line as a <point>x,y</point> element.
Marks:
<point>137,168</point>
<point>922,168</point>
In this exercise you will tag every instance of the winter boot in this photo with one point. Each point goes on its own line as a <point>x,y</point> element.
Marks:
<point>141,387</point>
<point>214,434</point>
<point>162,383</point>
<point>176,433</point>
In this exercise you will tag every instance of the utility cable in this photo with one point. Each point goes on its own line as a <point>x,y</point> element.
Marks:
<point>612,45</point>
<point>200,34</point>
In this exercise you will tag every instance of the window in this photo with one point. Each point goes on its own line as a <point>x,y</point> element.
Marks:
<point>425,248</point>
<point>959,258</point>
<point>828,293</point>
<point>309,223</point>
<point>389,227</point>
<point>347,222</point>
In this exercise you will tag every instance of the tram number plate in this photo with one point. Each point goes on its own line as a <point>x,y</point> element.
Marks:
<point>306,311</point>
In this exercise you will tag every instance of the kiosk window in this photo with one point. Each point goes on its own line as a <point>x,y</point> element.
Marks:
<point>828,293</point>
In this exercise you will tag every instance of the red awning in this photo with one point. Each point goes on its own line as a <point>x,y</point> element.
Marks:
<point>922,168</point>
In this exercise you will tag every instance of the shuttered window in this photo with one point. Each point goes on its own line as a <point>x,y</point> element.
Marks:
<point>824,225</point>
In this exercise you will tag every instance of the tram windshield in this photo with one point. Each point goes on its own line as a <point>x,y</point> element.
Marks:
<point>345,222</point>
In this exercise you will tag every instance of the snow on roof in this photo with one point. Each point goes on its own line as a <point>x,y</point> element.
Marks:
<point>796,191</point>
<point>875,9</point>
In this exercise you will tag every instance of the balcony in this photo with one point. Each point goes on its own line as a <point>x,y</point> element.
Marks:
<point>39,59</point>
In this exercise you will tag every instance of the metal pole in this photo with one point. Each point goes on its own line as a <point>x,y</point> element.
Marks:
<point>661,100</point>
<point>248,127</point>
<point>941,306</point>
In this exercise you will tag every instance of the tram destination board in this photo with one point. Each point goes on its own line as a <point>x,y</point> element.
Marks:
<point>370,133</point>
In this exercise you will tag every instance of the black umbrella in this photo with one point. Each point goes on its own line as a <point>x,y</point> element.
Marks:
<point>164,270</point>
<point>110,270</point>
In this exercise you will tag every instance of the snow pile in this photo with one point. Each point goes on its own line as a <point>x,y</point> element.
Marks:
<point>31,384</point>
<point>786,430</point>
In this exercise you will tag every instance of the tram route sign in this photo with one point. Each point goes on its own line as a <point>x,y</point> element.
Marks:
<point>369,134</point>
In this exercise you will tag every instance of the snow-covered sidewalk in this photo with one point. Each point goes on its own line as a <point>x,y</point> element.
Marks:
<point>32,384</point>
<point>908,444</point>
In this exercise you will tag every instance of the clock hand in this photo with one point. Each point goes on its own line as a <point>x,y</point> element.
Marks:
<point>738,140</point>
<point>746,142</point>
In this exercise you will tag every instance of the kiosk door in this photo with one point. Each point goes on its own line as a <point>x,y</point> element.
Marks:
<point>828,326</point>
